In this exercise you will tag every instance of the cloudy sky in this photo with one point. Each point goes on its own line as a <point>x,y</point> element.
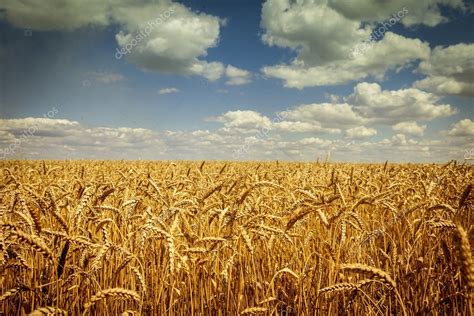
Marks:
<point>362,80</point>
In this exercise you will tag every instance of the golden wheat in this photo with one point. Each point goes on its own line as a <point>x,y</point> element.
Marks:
<point>226,238</point>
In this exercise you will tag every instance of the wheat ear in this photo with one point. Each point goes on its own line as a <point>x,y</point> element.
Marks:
<point>371,272</point>
<point>35,242</point>
<point>253,310</point>
<point>463,250</point>
<point>48,310</point>
<point>118,293</point>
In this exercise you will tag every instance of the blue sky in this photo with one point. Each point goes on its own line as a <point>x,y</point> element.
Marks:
<point>240,80</point>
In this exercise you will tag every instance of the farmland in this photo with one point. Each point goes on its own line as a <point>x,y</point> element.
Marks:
<point>217,238</point>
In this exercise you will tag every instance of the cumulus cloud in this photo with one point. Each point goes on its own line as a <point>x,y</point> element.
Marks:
<point>62,139</point>
<point>237,76</point>
<point>326,114</point>
<point>168,90</point>
<point>159,35</point>
<point>68,15</point>
<point>175,38</point>
<point>252,121</point>
<point>367,105</point>
<point>317,32</point>
<point>399,139</point>
<point>243,119</point>
<point>37,126</point>
<point>411,128</point>
<point>449,70</point>
<point>360,132</point>
<point>417,12</point>
<point>53,138</point>
<point>394,106</point>
<point>315,141</point>
<point>464,127</point>
<point>392,52</point>
<point>275,145</point>
<point>211,71</point>
<point>323,39</point>
<point>303,127</point>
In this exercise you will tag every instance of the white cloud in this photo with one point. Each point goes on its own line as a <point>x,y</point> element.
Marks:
<point>244,122</point>
<point>449,70</point>
<point>176,44</point>
<point>411,128</point>
<point>392,52</point>
<point>60,138</point>
<point>243,119</point>
<point>53,138</point>
<point>367,106</point>
<point>37,126</point>
<point>399,139</point>
<point>326,114</point>
<point>394,106</point>
<point>464,127</point>
<point>323,39</point>
<point>168,90</point>
<point>317,32</point>
<point>417,12</point>
<point>332,97</point>
<point>315,141</point>
<point>303,127</point>
<point>211,71</point>
<point>360,132</point>
<point>56,15</point>
<point>445,85</point>
<point>237,76</point>
<point>160,35</point>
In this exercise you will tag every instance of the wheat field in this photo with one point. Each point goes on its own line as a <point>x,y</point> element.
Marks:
<point>217,238</point>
